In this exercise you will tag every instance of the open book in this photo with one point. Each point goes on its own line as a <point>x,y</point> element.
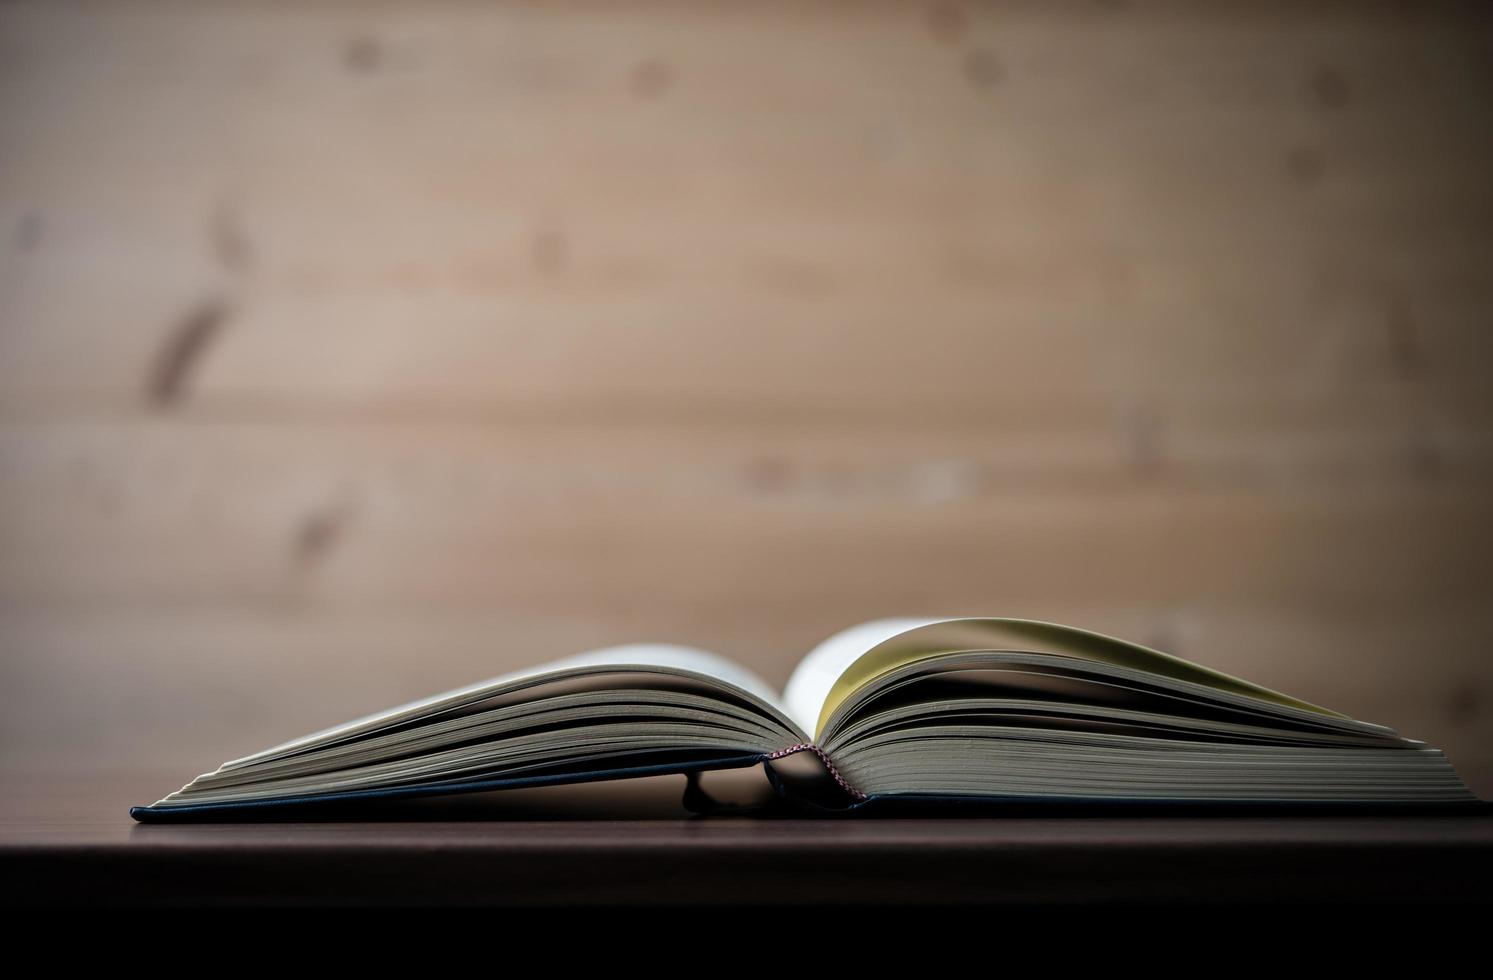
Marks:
<point>942,711</point>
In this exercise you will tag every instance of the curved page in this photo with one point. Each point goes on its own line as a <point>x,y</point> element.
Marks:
<point>673,659</point>
<point>849,660</point>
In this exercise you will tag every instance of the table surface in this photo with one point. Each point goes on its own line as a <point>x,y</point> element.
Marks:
<point>69,840</point>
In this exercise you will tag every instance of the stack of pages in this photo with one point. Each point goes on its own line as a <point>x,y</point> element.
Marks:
<point>925,711</point>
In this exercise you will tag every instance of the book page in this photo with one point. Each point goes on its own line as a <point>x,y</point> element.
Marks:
<point>636,654</point>
<point>848,660</point>
<point>683,658</point>
<point>816,674</point>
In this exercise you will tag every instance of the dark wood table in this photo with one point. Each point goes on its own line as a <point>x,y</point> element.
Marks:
<point>70,841</point>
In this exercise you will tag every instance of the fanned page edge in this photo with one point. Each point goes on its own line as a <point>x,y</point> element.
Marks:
<point>280,806</point>
<point>854,657</point>
<point>671,657</point>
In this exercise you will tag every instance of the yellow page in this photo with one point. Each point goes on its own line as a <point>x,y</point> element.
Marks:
<point>845,662</point>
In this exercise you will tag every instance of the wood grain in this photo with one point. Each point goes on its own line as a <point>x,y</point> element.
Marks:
<point>352,352</point>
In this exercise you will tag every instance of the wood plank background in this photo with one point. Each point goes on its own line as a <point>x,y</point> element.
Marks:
<point>350,352</point>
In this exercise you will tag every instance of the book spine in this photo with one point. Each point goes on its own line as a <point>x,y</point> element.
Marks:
<point>805,774</point>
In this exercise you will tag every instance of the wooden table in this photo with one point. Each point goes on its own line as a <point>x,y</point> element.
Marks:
<point>67,841</point>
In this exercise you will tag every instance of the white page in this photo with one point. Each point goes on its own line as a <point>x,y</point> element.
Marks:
<point>638,654</point>
<point>816,673</point>
<point>684,658</point>
<point>816,676</point>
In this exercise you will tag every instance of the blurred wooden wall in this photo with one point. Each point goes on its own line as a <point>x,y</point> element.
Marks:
<point>351,352</point>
